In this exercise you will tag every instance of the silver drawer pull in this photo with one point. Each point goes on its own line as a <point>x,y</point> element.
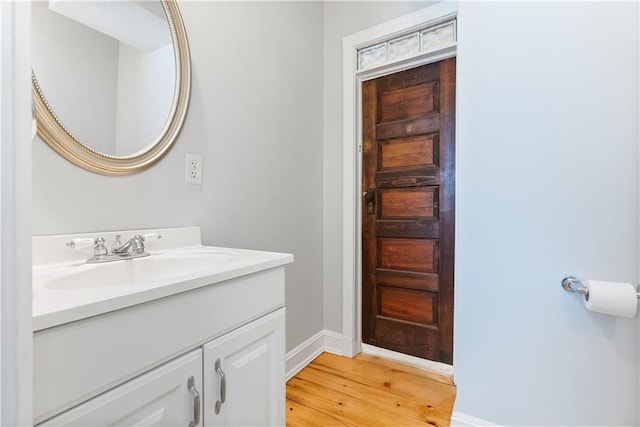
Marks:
<point>223,386</point>
<point>196,402</point>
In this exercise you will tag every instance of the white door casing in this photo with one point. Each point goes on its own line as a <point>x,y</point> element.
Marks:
<point>352,141</point>
<point>16,373</point>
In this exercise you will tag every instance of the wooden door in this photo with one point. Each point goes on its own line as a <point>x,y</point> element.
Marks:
<point>408,211</point>
<point>244,375</point>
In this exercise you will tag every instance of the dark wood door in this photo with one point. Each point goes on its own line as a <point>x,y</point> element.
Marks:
<point>408,211</point>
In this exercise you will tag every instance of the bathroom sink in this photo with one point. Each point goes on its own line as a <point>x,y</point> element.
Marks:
<point>161,266</point>
<point>66,288</point>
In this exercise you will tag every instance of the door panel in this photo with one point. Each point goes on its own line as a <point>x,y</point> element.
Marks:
<point>407,305</point>
<point>408,211</point>
<point>408,254</point>
<point>408,203</point>
<point>407,152</point>
<point>406,103</point>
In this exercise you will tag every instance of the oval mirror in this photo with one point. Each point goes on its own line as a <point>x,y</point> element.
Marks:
<point>113,80</point>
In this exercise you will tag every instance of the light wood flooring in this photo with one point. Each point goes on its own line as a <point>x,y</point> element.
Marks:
<point>367,391</point>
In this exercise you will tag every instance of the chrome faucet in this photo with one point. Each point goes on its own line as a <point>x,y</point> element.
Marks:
<point>133,248</point>
<point>134,245</point>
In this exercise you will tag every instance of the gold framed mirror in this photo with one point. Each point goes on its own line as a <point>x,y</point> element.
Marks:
<point>54,129</point>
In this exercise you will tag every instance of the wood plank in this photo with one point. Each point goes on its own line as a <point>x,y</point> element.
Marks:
<point>364,391</point>
<point>397,380</point>
<point>408,337</point>
<point>383,363</point>
<point>408,254</point>
<point>410,305</point>
<point>429,175</point>
<point>299,414</point>
<point>407,279</point>
<point>425,228</point>
<point>406,102</point>
<point>420,150</point>
<point>447,207</point>
<point>360,412</point>
<point>369,246</point>
<point>375,396</point>
<point>411,77</point>
<point>430,123</point>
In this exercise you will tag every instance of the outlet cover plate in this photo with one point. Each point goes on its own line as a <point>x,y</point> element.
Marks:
<point>193,169</point>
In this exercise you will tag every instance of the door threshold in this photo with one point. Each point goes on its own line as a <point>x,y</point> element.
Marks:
<point>416,362</point>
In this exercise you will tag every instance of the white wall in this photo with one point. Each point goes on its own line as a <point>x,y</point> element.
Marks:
<point>256,117</point>
<point>342,19</point>
<point>547,185</point>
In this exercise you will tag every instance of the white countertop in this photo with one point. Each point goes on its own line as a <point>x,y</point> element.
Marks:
<point>72,290</point>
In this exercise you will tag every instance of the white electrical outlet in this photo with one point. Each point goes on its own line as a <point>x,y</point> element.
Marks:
<point>193,169</point>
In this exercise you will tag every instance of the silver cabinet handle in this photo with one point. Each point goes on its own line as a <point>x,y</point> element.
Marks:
<point>196,402</point>
<point>223,386</point>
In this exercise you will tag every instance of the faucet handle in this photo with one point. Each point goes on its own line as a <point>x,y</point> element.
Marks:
<point>100,248</point>
<point>151,237</point>
<point>82,242</point>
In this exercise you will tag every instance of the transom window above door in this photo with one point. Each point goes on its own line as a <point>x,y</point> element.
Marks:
<point>408,45</point>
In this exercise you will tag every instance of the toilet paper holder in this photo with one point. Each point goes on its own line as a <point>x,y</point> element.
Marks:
<point>575,285</point>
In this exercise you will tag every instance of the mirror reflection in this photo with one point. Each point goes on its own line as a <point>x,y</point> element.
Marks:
<point>107,70</point>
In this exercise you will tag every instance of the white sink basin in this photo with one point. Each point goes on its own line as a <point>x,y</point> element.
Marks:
<point>162,266</point>
<point>69,290</point>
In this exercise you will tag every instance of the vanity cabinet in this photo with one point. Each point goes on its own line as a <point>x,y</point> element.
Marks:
<point>243,374</point>
<point>131,366</point>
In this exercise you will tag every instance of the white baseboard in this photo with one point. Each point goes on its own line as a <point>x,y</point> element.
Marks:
<point>333,343</point>
<point>302,355</point>
<point>463,420</point>
<point>429,365</point>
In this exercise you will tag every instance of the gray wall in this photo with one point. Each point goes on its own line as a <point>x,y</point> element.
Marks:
<point>75,64</point>
<point>256,117</point>
<point>342,19</point>
<point>140,75</point>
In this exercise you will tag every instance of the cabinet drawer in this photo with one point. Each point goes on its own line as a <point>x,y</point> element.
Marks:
<point>160,397</point>
<point>77,361</point>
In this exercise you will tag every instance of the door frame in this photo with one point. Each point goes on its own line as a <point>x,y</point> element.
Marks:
<point>16,333</point>
<point>352,80</point>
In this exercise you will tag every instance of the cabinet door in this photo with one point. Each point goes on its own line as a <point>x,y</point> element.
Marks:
<point>164,396</point>
<point>244,375</point>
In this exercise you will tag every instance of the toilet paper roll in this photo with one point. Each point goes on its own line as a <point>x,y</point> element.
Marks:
<point>612,298</point>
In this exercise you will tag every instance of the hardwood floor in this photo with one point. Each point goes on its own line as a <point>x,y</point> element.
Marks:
<point>367,391</point>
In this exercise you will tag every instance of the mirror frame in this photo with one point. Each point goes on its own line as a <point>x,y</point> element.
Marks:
<point>64,142</point>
